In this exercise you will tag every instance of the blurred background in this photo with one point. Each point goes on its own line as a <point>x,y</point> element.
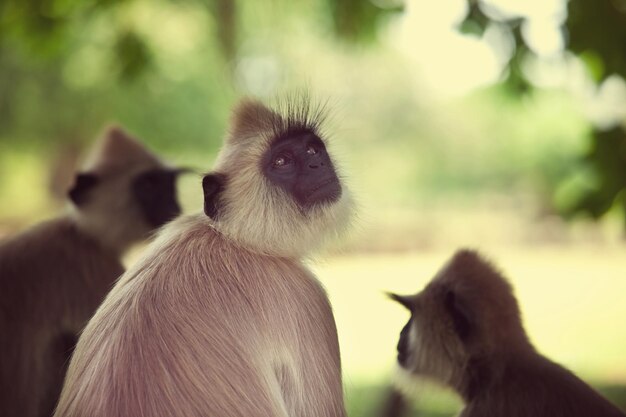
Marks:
<point>494,124</point>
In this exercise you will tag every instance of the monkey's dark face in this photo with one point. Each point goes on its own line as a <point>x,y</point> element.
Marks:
<point>155,191</point>
<point>407,343</point>
<point>403,343</point>
<point>300,165</point>
<point>432,341</point>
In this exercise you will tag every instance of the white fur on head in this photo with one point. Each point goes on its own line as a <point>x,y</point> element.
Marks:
<point>111,213</point>
<point>260,215</point>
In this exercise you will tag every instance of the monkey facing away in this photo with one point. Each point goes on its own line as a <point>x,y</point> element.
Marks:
<point>465,331</point>
<point>54,276</point>
<point>221,318</point>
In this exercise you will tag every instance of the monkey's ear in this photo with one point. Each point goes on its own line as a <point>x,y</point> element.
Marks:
<point>83,183</point>
<point>212,185</point>
<point>460,314</point>
<point>405,300</point>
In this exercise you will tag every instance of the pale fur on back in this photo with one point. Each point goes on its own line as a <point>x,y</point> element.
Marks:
<point>201,327</point>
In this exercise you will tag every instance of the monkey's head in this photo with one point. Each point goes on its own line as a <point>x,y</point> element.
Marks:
<point>124,192</point>
<point>275,188</point>
<point>467,313</point>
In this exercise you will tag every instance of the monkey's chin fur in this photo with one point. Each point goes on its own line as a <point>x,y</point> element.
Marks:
<point>285,230</point>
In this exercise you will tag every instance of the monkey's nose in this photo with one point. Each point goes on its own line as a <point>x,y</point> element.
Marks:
<point>316,164</point>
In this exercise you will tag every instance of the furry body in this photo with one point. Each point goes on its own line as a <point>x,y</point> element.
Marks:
<point>466,331</point>
<point>54,276</point>
<point>180,335</point>
<point>39,331</point>
<point>529,385</point>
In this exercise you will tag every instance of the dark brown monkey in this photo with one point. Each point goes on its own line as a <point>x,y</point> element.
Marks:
<point>221,318</point>
<point>54,276</point>
<point>465,331</point>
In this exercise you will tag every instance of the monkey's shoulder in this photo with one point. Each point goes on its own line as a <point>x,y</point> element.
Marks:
<point>194,245</point>
<point>54,248</point>
<point>53,257</point>
<point>191,259</point>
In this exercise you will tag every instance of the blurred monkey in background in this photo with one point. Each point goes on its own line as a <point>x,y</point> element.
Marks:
<point>221,318</point>
<point>465,331</point>
<point>54,276</point>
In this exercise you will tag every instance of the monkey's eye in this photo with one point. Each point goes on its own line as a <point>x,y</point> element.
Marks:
<point>311,150</point>
<point>282,161</point>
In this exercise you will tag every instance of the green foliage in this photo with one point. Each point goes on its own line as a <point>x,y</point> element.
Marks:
<point>516,81</point>
<point>596,32</point>
<point>359,20</point>
<point>85,60</point>
<point>43,27</point>
<point>607,158</point>
<point>133,55</point>
<point>67,67</point>
<point>599,28</point>
<point>225,12</point>
<point>475,23</point>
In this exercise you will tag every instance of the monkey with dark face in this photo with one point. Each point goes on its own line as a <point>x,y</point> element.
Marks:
<point>54,276</point>
<point>465,331</point>
<point>221,318</point>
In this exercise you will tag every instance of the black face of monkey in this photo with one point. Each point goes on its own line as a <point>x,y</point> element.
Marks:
<point>155,191</point>
<point>441,308</point>
<point>300,165</point>
<point>403,343</point>
<point>404,347</point>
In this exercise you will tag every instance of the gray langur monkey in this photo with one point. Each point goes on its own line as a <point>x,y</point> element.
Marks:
<point>55,275</point>
<point>465,331</point>
<point>221,318</point>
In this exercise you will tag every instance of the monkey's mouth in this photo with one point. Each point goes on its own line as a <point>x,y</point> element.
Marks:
<point>403,346</point>
<point>327,191</point>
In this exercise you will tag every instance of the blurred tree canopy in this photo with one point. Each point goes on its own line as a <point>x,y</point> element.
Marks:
<point>96,56</point>
<point>596,32</point>
<point>69,65</point>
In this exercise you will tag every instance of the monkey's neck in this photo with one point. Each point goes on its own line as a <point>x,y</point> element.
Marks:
<point>263,247</point>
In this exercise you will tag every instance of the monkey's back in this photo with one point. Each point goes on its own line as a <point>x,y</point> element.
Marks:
<point>535,386</point>
<point>201,327</point>
<point>52,279</point>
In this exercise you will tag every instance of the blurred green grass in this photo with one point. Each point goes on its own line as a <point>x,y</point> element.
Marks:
<point>368,401</point>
